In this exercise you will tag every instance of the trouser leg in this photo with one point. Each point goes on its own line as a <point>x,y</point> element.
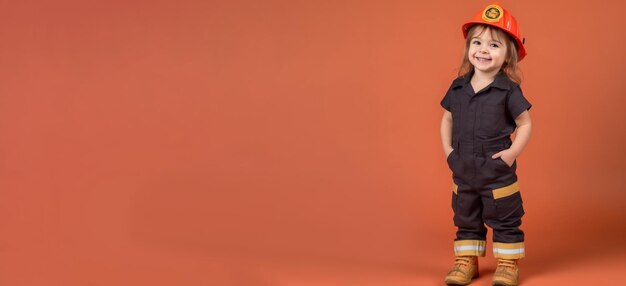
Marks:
<point>503,213</point>
<point>471,231</point>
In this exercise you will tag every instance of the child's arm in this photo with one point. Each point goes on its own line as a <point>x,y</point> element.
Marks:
<point>524,127</point>
<point>446,132</point>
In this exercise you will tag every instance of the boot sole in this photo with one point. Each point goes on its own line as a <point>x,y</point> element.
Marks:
<point>456,283</point>
<point>461,283</point>
<point>503,284</point>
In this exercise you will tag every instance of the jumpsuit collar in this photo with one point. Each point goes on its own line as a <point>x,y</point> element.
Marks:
<point>501,81</point>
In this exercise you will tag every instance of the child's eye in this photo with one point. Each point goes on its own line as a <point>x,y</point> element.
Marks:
<point>475,42</point>
<point>495,45</point>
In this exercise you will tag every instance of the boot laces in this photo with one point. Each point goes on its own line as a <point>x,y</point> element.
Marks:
<point>462,261</point>
<point>505,263</point>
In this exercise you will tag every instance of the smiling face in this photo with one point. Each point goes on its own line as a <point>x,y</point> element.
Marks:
<point>487,50</point>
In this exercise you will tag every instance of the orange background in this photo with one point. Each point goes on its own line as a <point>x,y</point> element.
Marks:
<point>289,142</point>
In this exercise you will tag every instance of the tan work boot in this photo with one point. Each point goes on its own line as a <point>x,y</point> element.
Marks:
<point>464,270</point>
<point>507,273</point>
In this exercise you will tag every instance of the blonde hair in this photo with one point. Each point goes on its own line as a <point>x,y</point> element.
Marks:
<point>510,62</point>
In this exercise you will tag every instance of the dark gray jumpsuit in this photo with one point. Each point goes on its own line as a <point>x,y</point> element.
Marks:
<point>485,190</point>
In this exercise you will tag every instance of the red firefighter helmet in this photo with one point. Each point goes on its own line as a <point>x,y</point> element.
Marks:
<point>496,16</point>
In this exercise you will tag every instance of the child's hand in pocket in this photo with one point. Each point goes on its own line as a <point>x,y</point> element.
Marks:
<point>448,152</point>
<point>506,155</point>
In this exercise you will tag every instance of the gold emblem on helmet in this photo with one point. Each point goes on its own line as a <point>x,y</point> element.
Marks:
<point>493,13</point>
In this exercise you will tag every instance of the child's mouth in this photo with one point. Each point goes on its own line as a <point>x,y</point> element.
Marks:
<point>482,60</point>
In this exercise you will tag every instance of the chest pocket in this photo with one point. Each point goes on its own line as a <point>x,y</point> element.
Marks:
<point>492,119</point>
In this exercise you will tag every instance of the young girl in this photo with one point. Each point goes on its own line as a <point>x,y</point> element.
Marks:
<point>483,107</point>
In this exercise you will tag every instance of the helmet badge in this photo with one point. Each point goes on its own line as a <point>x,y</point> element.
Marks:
<point>493,13</point>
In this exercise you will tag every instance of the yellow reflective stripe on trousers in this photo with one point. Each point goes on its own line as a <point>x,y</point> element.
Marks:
<point>469,247</point>
<point>509,250</point>
<point>506,191</point>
